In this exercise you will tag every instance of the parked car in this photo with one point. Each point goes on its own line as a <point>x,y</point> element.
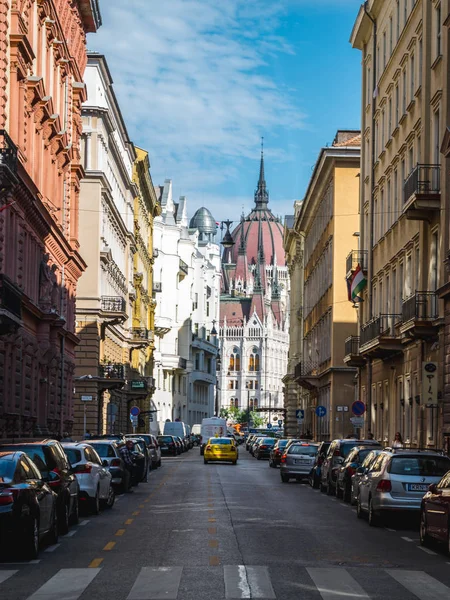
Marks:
<point>255,444</point>
<point>196,439</point>
<point>179,429</point>
<point>152,447</point>
<point>337,453</point>
<point>109,452</point>
<point>276,452</point>
<point>168,445</point>
<point>348,469</point>
<point>315,475</point>
<point>250,439</point>
<point>435,513</point>
<point>297,461</point>
<point>142,460</point>
<point>52,463</point>
<point>181,444</point>
<point>263,449</point>
<point>296,441</point>
<point>397,481</point>
<point>356,477</point>
<point>93,476</point>
<point>221,449</point>
<point>28,507</point>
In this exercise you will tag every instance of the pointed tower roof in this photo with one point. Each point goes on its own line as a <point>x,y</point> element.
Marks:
<point>261,193</point>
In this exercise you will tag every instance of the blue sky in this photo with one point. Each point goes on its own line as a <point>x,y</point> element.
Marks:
<point>200,81</point>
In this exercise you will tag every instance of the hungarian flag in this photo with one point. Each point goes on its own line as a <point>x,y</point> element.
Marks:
<point>358,284</point>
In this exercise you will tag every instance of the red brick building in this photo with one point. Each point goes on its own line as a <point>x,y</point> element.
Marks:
<point>42,61</point>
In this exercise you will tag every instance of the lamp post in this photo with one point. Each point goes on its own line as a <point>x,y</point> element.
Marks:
<point>227,241</point>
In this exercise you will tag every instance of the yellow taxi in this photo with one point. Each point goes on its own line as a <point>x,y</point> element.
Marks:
<point>221,448</point>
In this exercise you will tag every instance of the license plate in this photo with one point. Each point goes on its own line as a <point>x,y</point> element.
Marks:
<point>163,447</point>
<point>417,487</point>
<point>301,462</point>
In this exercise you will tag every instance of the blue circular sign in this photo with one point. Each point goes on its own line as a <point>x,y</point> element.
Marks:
<point>134,411</point>
<point>358,408</point>
<point>269,425</point>
<point>321,411</point>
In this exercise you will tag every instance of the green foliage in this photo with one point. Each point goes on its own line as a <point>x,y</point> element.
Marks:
<point>233,414</point>
<point>256,419</point>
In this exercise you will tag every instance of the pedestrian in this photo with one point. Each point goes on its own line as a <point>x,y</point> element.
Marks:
<point>308,435</point>
<point>370,435</point>
<point>126,453</point>
<point>87,435</point>
<point>398,441</point>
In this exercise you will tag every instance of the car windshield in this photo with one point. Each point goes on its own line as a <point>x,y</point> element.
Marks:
<point>73,455</point>
<point>431,466</point>
<point>282,443</point>
<point>347,447</point>
<point>40,455</point>
<point>164,439</point>
<point>269,442</point>
<point>7,467</point>
<point>220,441</point>
<point>304,450</point>
<point>103,450</point>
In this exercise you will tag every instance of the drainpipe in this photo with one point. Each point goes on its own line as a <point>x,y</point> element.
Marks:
<point>62,351</point>
<point>371,220</point>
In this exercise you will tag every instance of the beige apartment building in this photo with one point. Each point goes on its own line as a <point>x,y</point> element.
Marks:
<point>328,219</point>
<point>400,347</point>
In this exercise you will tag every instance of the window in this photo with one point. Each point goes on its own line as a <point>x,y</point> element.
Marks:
<point>412,66</point>
<point>398,19</point>
<point>235,360</point>
<point>390,117</point>
<point>436,137</point>
<point>408,276</point>
<point>369,86</point>
<point>382,231</point>
<point>253,363</point>
<point>433,268</point>
<point>376,141</point>
<point>417,269</point>
<point>438,29</point>
<point>249,384</point>
<point>388,204</point>
<point>410,159</point>
<point>375,220</point>
<point>391,27</point>
<point>402,180</point>
<point>383,129</point>
<point>420,60</point>
<point>394,291</point>
<point>404,92</point>
<point>400,283</point>
<point>384,50</point>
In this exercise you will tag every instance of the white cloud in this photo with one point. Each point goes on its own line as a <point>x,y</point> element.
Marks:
<point>190,76</point>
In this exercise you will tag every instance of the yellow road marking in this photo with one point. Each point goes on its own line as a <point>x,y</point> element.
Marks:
<point>211,504</point>
<point>109,546</point>
<point>213,543</point>
<point>135,514</point>
<point>96,563</point>
<point>214,561</point>
<point>120,532</point>
<point>211,520</point>
<point>141,506</point>
<point>212,530</point>
<point>129,521</point>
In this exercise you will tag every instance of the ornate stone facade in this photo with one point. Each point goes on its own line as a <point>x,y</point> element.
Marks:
<point>42,61</point>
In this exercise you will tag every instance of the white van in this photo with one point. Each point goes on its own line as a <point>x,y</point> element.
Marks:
<point>177,428</point>
<point>196,429</point>
<point>214,426</point>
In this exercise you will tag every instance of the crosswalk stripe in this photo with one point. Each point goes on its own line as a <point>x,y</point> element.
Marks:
<point>335,583</point>
<point>4,575</point>
<point>154,583</point>
<point>421,584</point>
<point>247,582</point>
<point>67,584</point>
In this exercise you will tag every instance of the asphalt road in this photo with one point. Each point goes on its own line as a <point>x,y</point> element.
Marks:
<point>217,531</point>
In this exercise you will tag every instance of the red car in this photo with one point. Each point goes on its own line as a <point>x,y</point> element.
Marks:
<point>435,513</point>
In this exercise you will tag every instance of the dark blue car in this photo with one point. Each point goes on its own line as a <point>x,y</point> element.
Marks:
<point>315,475</point>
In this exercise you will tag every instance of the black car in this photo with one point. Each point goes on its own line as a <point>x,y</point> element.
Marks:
<point>315,475</point>
<point>264,448</point>
<point>27,506</point>
<point>346,471</point>
<point>168,445</point>
<point>276,452</point>
<point>52,462</point>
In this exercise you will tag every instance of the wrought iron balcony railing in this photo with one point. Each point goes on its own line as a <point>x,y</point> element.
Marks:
<point>113,304</point>
<point>384,325</point>
<point>352,345</point>
<point>422,306</point>
<point>10,297</point>
<point>8,157</point>
<point>140,333</point>
<point>355,258</point>
<point>423,180</point>
<point>112,371</point>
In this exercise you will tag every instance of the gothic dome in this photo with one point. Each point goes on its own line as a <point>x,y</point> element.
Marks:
<point>260,231</point>
<point>205,223</point>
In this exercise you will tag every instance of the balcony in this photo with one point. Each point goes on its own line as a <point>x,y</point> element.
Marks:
<point>305,375</point>
<point>182,363</point>
<point>422,192</point>
<point>113,304</point>
<point>419,312</point>
<point>157,287</point>
<point>8,162</point>
<point>10,306</point>
<point>353,356</point>
<point>355,258</point>
<point>379,337</point>
<point>112,371</point>
<point>140,334</point>
<point>184,269</point>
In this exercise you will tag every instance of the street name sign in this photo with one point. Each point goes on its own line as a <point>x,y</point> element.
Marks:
<point>87,398</point>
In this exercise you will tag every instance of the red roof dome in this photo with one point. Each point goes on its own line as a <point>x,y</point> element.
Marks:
<point>259,231</point>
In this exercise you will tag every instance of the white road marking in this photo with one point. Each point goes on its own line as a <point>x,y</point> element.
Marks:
<point>388,529</point>
<point>335,584</point>
<point>247,582</point>
<point>29,562</point>
<point>421,584</point>
<point>427,550</point>
<point>52,548</point>
<point>70,534</point>
<point>67,584</point>
<point>407,539</point>
<point>83,523</point>
<point>4,575</point>
<point>155,583</point>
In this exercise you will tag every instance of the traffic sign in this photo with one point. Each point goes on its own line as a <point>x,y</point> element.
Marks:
<point>357,421</point>
<point>358,408</point>
<point>87,398</point>
<point>134,411</point>
<point>321,411</point>
<point>280,422</point>
<point>299,414</point>
<point>134,421</point>
<point>269,425</point>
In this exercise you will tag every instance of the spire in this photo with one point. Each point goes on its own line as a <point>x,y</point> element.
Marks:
<point>242,244</point>
<point>261,193</point>
<point>275,285</point>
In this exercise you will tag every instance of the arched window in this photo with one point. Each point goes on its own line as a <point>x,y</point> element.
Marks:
<point>235,360</point>
<point>253,403</point>
<point>253,362</point>
<point>234,402</point>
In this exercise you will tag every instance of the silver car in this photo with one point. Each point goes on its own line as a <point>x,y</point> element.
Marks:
<point>297,461</point>
<point>397,481</point>
<point>360,472</point>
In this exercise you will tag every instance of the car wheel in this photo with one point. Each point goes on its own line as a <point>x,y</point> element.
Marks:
<point>111,497</point>
<point>63,519</point>
<point>30,545</point>
<point>322,488</point>
<point>205,462</point>
<point>423,535</point>
<point>258,457</point>
<point>234,462</point>
<point>159,463</point>
<point>374,519</point>
<point>337,491</point>
<point>347,493</point>
<point>359,510</point>
<point>52,536</point>
<point>284,478</point>
<point>95,504</point>
<point>329,488</point>
<point>75,517</point>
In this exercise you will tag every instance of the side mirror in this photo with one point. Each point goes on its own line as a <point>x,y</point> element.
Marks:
<point>433,488</point>
<point>105,463</point>
<point>339,460</point>
<point>361,470</point>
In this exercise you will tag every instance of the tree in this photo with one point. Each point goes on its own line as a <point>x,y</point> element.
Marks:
<point>256,419</point>
<point>233,414</point>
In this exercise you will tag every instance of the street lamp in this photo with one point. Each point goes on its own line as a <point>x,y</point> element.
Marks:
<point>227,241</point>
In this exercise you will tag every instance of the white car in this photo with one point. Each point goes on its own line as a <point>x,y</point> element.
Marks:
<point>93,477</point>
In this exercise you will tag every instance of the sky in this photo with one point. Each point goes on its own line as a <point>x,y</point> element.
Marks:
<point>199,83</point>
